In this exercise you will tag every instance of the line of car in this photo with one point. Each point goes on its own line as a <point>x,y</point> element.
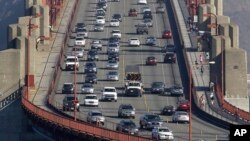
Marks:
<point>147,121</point>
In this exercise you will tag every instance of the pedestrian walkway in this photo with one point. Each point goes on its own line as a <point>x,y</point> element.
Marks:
<point>47,58</point>
<point>199,61</point>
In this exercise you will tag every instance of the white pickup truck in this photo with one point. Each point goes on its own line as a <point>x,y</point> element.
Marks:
<point>134,84</point>
<point>109,94</point>
<point>72,62</point>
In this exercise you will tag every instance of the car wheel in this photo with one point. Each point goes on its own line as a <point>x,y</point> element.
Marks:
<point>115,100</point>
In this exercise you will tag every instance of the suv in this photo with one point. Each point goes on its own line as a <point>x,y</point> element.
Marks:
<point>126,110</point>
<point>69,104</point>
<point>142,30</point>
<point>95,116</point>
<point>150,121</point>
<point>72,63</point>
<point>68,88</point>
<point>170,57</point>
<point>109,93</point>
<point>90,67</point>
<point>133,92</point>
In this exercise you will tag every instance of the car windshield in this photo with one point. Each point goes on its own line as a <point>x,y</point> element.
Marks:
<point>117,16</point>
<point>68,85</point>
<point>127,107</point>
<point>90,65</point>
<point>87,85</point>
<point>71,60</point>
<point>81,30</point>
<point>79,38</point>
<point>113,73</point>
<point>112,61</point>
<point>158,84</point>
<point>153,117</point>
<point>70,98</point>
<point>91,97</point>
<point>134,84</point>
<point>133,39</point>
<point>129,123</point>
<point>109,90</point>
<point>76,49</point>
<point>99,18</point>
<point>163,130</point>
<point>96,114</point>
<point>114,20</point>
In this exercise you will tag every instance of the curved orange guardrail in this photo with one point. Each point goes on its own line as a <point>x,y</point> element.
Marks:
<point>76,125</point>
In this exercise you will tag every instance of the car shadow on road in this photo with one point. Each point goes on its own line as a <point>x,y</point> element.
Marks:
<point>141,50</point>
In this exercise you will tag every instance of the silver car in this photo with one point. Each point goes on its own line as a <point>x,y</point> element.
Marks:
<point>96,117</point>
<point>113,75</point>
<point>77,51</point>
<point>180,116</point>
<point>113,48</point>
<point>148,22</point>
<point>87,88</point>
<point>99,27</point>
<point>112,64</point>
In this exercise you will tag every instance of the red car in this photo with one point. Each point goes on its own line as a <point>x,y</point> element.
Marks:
<point>151,61</point>
<point>132,13</point>
<point>167,34</point>
<point>183,105</point>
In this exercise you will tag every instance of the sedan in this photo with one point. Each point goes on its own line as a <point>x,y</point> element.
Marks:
<point>112,64</point>
<point>87,88</point>
<point>114,23</point>
<point>144,2</point>
<point>160,9</point>
<point>96,117</point>
<point>113,75</point>
<point>167,34</point>
<point>96,44</point>
<point>148,22</point>
<point>151,60</point>
<point>158,87</point>
<point>93,55</point>
<point>90,67</point>
<point>169,48</point>
<point>91,100</point>
<point>134,42</point>
<point>151,41</point>
<point>132,12</point>
<point>177,90</point>
<point>91,78</point>
<point>118,17</point>
<point>127,126</point>
<point>168,110</point>
<point>98,27</point>
<point>100,20</point>
<point>113,56</point>
<point>180,116</point>
<point>77,51</point>
<point>162,133</point>
<point>183,105</point>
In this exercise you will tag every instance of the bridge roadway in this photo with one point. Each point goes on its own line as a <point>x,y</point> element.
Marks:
<point>167,73</point>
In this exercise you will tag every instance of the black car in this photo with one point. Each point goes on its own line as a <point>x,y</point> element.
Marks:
<point>147,15</point>
<point>114,40</point>
<point>141,30</point>
<point>80,26</point>
<point>168,110</point>
<point>127,126</point>
<point>68,88</point>
<point>118,17</point>
<point>170,57</point>
<point>90,67</point>
<point>158,87</point>
<point>113,56</point>
<point>69,104</point>
<point>133,92</point>
<point>91,78</point>
<point>169,48</point>
<point>93,55</point>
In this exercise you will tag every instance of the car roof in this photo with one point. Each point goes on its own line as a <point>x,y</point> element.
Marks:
<point>69,57</point>
<point>109,87</point>
<point>91,95</point>
<point>68,83</point>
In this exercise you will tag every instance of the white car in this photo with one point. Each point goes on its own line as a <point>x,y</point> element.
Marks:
<point>134,42</point>
<point>87,88</point>
<point>116,33</point>
<point>109,93</point>
<point>180,116</point>
<point>144,9</point>
<point>113,75</point>
<point>80,41</point>
<point>142,2</point>
<point>114,23</point>
<point>112,64</point>
<point>72,62</point>
<point>91,100</point>
<point>77,51</point>
<point>100,20</point>
<point>162,133</point>
<point>95,116</point>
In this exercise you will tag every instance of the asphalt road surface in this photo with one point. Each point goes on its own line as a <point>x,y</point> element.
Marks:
<point>167,73</point>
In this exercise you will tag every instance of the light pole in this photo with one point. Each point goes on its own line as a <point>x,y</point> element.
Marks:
<point>75,100</point>
<point>190,104</point>
<point>213,25</point>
